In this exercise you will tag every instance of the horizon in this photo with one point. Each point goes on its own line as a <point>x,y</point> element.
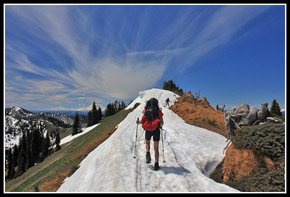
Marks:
<point>65,57</point>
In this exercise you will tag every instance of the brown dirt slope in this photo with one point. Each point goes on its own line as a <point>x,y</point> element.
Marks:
<point>198,112</point>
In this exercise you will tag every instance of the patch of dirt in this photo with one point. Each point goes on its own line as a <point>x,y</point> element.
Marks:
<point>239,163</point>
<point>55,183</point>
<point>198,112</point>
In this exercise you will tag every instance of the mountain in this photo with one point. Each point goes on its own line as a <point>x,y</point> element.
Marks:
<point>69,113</point>
<point>283,112</point>
<point>18,120</point>
<point>190,154</point>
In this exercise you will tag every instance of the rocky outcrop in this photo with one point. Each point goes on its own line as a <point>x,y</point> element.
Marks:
<point>198,112</point>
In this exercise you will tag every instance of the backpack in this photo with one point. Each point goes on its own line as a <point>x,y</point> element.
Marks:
<point>150,119</point>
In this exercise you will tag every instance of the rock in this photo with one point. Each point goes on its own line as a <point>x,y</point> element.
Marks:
<point>251,117</point>
<point>243,110</point>
<point>263,112</point>
<point>187,97</point>
<point>204,101</point>
<point>274,120</point>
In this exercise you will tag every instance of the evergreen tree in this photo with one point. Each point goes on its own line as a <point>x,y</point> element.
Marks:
<point>76,124</point>
<point>36,141</point>
<point>278,110</point>
<point>275,108</point>
<point>22,157</point>
<point>100,114</point>
<point>123,105</point>
<point>15,155</point>
<point>45,145</point>
<point>29,157</point>
<point>10,166</point>
<point>110,110</point>
<point>95,117</point>
<point>90,118</point>
<point>171,86</point>
<point>57,141</point>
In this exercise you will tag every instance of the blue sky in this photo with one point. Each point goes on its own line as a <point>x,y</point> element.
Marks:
<point>64,57</point>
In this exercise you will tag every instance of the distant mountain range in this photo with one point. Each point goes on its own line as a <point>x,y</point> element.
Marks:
<point>17,120</point>
<point>69,113</point>
<point>283,112</point>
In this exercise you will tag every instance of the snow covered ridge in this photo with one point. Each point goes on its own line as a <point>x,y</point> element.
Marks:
<point>18,119</point>
<point>191,154</point>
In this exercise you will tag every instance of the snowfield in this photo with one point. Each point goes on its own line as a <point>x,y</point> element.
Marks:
<point>70,137</point>
<point>191,153</point>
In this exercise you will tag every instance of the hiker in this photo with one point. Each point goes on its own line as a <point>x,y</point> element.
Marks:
<point>167,102</point>
<point>151,122</point>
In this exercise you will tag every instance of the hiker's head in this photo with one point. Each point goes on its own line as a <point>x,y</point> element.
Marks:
<point>152,101</point>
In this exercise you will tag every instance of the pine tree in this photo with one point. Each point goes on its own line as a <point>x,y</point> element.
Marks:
<point>100,114</point>
<point>57,141</point>
<point>278,110</point>
<point>22,156</point>
<point>29,157</point>
<point>94,114</point>
<point>171,86</point>
<point>110,110</point>
<point>76,124</point>
<point>45,145</point>
<point>90,118</point>
<point>275,108</point>
<point>123,105</point>
<point>10,166</point>
<point>36,141</point>
<point>15,155</point>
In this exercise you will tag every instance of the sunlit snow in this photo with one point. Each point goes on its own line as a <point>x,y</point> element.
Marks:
<point>191,153</point>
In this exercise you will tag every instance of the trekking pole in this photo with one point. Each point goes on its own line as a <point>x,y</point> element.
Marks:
<point>162,144</point>
<point>136,138</point>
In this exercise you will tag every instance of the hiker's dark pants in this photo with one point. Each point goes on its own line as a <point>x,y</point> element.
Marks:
<point>155,134</point>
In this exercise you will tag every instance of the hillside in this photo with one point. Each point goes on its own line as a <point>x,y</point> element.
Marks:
<point>199,112</point>
<point>18,120</point>
<point>254,162</point>
<point>191,153</point>
<point>48,175</point>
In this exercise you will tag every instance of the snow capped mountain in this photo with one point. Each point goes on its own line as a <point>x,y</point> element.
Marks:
<point>191,154</point>
<point>18,120</point>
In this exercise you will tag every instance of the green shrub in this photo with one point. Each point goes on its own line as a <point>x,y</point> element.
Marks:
<point>267,139</point>
<point>212,122</point>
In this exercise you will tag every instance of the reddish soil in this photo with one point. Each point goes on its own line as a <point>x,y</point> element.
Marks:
<point>198,112</point>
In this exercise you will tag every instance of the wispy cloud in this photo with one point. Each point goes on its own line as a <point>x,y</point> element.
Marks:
<point>66,54</point>
<point>93,77</point>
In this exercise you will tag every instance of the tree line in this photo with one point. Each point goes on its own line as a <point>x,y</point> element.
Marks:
<point>95,114</point>
<point>171,86</point>
<point>34,147</point>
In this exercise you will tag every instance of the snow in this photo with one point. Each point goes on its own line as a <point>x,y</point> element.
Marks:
<point>70,137</point>
<point>191,153</point>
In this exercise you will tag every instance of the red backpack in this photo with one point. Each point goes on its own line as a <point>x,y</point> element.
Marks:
<point>151,120</point>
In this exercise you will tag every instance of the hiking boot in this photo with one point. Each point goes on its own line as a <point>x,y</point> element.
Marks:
<point>148,157</point>
<point>156,166</point>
